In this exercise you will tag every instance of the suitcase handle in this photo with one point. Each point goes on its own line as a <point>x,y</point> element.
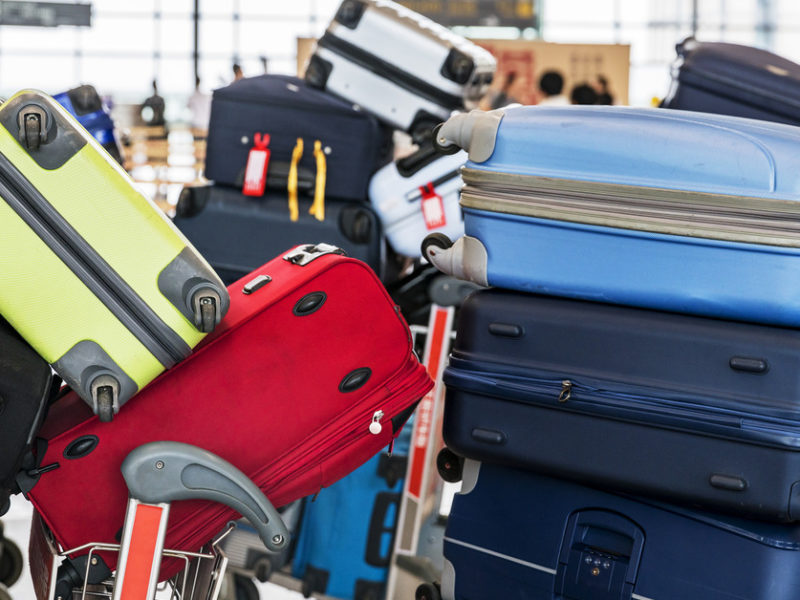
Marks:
<point>166,471</point>
<point>377,528</point>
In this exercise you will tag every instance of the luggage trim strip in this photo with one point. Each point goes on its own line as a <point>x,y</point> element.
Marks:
<point>95,273</point>
<point>768,221</point>
<point>519,561</point>
<point>388,71</point>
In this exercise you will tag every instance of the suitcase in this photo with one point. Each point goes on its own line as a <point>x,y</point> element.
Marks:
<point>573,202</point>
<point>284,107</point>
<point>85,104</point>
<point>729,79</point>
<point>404,68</point>
<point>694,410</point>
<point>515,534</point>
<point>309,375</point>
<point>236,234</point>
<point>92,274</point>
<point>417,195</point>
<point>347,534</point>
<point>27,386</point>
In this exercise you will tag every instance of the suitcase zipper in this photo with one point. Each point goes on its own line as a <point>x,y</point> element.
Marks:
<point>98,276</point>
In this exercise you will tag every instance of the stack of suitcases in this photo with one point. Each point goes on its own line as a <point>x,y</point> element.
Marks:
<point>623,406</point>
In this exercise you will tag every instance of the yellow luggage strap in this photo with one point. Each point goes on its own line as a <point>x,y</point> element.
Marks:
<point>291,186</point>
<point>318,207</point>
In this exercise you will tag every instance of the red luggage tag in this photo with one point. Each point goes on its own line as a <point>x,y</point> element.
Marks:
<point>432,207</point>
<point>255,174</point>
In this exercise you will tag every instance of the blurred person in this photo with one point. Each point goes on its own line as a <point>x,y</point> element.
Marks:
<point>551,85</point>
<point>152,111</point>
<point>237,72</point>
<point>583,93</point>
<point>200,106</point>
<point>603,94</point>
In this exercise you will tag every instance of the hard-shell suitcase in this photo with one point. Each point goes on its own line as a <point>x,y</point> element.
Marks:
<point>27,386</point>
<point>347,534</point>
<point>729,79</point>
<point>286,108</point>
<point>92,274</point>
<point>672,210</point>
<point>684,408</point>
<point>236,233</point>
<point>85,104</point>
<point>404,68</point>
<point>309,375</point>
<point>515,534</point>
<point>416,195</point>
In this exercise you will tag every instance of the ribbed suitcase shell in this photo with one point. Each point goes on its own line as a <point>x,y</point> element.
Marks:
<point>514,534</point>
<point>285,389</point>
<point>107,289</point>
<point>696,410</point>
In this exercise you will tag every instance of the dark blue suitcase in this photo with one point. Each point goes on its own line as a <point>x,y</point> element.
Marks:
<point>729,79</point>
<point>85,104</point>
<point>694,410</point>
<point>236,233</point>
<point>347,531</point>
<point>515,534</point>
<point>286,108</point>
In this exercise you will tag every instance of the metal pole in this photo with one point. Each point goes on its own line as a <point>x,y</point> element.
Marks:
<point>196,50</point>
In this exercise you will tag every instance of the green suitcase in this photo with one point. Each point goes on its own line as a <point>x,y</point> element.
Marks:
<point>92,274</point>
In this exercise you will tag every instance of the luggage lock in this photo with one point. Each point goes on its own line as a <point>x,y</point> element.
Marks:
<point>205,304</point>
<point>104,391</point>
<point>33,125</point>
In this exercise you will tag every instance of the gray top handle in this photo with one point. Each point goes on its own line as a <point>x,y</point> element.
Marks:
<point>167,471</point>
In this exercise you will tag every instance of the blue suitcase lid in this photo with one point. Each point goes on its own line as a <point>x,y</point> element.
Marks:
<point>652,148</point>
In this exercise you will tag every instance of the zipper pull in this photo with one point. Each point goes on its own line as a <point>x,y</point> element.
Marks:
<point>566,390</point>
<point>375,427</point>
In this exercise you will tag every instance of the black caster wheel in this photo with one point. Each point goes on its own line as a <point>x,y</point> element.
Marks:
<point>245,588</point>
<point>443,148</point>
<point>4,593</point>
<point>262,569</point>
<point>105,404</point>
<point>10,562</point>
<point>433,241</point>
<point>449,465</point>
<point>428,591</point>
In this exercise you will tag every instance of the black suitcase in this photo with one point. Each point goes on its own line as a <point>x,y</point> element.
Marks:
<point>27,385</point>
<point>287,108</point>
<point>729,79</point>
<point>689,409</point>
<point>236,233</point>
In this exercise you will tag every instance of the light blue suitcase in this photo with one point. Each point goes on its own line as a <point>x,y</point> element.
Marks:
<point>673,210</point>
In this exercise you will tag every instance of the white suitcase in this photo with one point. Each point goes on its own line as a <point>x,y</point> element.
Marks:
<point>404,68</point>
<point>400,195</point>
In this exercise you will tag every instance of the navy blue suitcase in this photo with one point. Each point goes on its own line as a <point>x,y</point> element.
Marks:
<point>729,79</point>
<point>287,108</point>
<point>347,531</point>
<point>690,409</point>
<point>516,534</point>
<point>236,233</point>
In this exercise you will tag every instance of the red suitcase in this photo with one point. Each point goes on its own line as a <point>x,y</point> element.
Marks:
<point>309,374</point>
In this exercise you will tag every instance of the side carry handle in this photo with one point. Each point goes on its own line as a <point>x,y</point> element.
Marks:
<point>166,471</point>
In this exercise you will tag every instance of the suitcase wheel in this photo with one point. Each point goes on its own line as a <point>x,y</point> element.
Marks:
<point>428,591</point>
<point>244,588</point>
<point>105,404</point>
<point>206,310</point>
<point>33,125</point>
<point>10,562</point>
<point>435,240</point>
<point>441,145</point>
<point>449,465</point>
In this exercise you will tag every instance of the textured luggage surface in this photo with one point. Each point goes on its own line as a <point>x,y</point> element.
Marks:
<point>407,70</point>
<point>289,389</point>
<point>679,407</point>
<point>729,79</point>
<point>399,190</point>
<point>26,386</point>
<point>286,108</point>
<point>348,529</point>
<point>92,274</point>
<point>236,233</point>
<point>570,202</point>
<point>513,534</point>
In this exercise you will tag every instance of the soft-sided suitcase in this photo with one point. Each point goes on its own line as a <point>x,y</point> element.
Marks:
<point>286,108</point>
<point>685,408</point>
<point>92,274</point>
<point>672,210</point>
<point>729,79</point>
<point>417,195</point>
<point>26,388</point>
<point>85,104</point>
<point>236,233</point>
<point>309,375</point>
<point>515,534</point>
<point>404,68</point>
<point>347,534</point>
